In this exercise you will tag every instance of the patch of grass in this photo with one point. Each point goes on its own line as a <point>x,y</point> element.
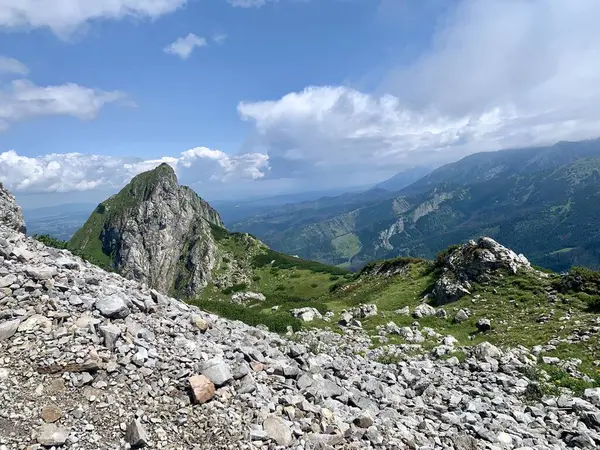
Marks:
<point>281,261</point>
<point>561,378</point>
<point>275,321</point>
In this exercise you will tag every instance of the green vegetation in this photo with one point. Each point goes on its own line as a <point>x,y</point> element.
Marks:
<point>51,241</point>
<point>276,322</point>
<point>541,202</point>
<point>281,261</point>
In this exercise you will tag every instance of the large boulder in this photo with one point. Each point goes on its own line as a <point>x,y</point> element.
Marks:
<point>474,261</point>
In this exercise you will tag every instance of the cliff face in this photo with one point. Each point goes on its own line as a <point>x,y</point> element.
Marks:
<point>154,231</point>
<point>10,212</point>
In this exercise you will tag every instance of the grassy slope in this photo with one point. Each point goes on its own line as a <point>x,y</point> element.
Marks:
<point>286,281</point>
<point>514,303</point>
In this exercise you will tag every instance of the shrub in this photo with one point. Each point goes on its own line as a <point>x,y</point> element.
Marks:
<point>334,278</point>
<point>50,241</point>
<point>314,285</point>
<point>281,261</point>
<point>235,288</point>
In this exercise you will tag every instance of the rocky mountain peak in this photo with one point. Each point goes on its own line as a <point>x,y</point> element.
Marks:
<point>155,231</point>
<point>473,261</point>
<point>10,211</point>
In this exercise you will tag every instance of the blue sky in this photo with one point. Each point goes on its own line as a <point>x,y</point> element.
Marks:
<point>282,96</point>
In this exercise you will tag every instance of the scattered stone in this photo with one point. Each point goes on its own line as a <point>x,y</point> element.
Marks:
<point>51,413</point>
<point>461,316</point>
<point>49,435</point>
<point>113,307</point>
<point>9,328</point>
<point>199,322</point>
<point>424,310</point>
<point>135,435</point>
<point>217,371</point>
<point>483,325</point>
<point>306,314</point>
<point>364,420</point>
<point>244,297</point>
<point>202,388</point>
<point>403,311</point>
<point>276,429</point>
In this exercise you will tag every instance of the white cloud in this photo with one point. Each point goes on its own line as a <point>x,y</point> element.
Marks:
<point>69,172</point>
<point>248,3</point>
<point>64,16</point>
<point>183,47</point>
<point>499,74</point>
<point>22,99</point>
<point>12,66</point>
<point>219,38</point>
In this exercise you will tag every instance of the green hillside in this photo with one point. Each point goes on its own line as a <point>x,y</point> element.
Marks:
<point>538,201</point>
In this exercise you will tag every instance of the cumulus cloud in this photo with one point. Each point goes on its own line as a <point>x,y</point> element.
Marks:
<point>22,99</point>
<point>499,74</point>
<point>12,66</point>
<point>184,46</point>
<point>69,172</point>
<point>64,16</point>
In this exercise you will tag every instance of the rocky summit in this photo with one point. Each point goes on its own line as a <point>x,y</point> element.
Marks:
<point>91,360</point>
<point>154,231</point>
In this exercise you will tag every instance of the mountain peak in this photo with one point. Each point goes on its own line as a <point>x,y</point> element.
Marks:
<point>154,231</point>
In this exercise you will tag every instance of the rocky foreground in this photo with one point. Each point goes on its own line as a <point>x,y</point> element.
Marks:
<point>90,360</point>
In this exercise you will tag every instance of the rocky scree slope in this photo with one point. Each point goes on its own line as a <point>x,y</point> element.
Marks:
<point>10,211</point>
<point>90,360</point>
<point>154,231</point>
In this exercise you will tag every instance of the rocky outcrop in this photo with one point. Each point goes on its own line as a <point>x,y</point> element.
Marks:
<point>474,261</point>
<point>10,212</point>
<point>154,231</point>
<point>90,360</point>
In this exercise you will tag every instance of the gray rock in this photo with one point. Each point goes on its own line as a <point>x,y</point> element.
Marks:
<point>276,429</point>
<point>50,435</point>
<point>110,333</point>
<point>483,325</point>
<point>135,434</point>
<point>461,316</point>
<point>424,310</point>
<point>9,328</point>
<point>8,280</point>
<point>364,420</point>
<point>306,314</point>
<point>41,273</point>
<point>244,297</point>
<point>113,307</point>
<point>592,395</point>
<point>67,263</point>
<point>217,371</point>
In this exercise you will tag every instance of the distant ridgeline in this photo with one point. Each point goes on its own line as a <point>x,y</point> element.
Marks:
<point>539,201</point>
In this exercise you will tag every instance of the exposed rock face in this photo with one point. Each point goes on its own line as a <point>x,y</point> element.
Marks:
<point>71,377</point>
<point>10,212</point>
<point>155,231</point>
<point>474,261</point>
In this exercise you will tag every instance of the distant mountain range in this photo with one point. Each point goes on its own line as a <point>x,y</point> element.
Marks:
<point>61,221</point>
<point>540,201</point>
